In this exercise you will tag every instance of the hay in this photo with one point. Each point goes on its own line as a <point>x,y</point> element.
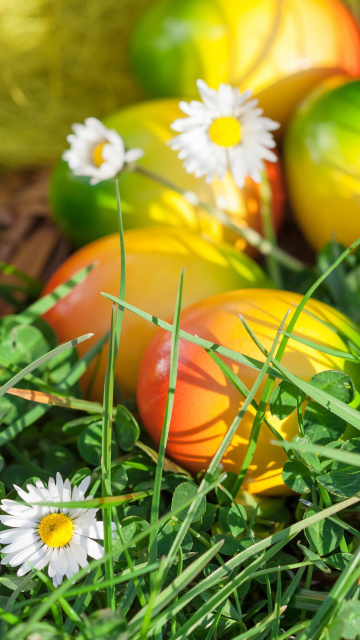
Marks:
<point>60,61</point>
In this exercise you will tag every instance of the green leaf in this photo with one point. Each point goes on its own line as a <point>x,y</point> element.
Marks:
<point>126,427</point>
<point>75,427</point>
<point>228,484</point>
<point>15,474</point>
<point>167,536</point>
<point>131,526</point>
<point>339,560</point>
<point>58,458</point>
<point>324,536</point>
<point>13,582</point>
<point>236,519</point>
<point>207,520</point>
<point>272,577</point>
<point>80,475</point>
<point>169,594</point>
<point>40,361</point>
<point>183,492</point>
<point>303,448</point>
<point>346,623</point>
<point>314,558</point>
<point>297,476</point>
<point>223,522</point>
<point>341,484</point>
<point>284,399</point>
<point>353,446</point>
<point>321,426</point>
<point>336,383</point>
<point>310,459</point>
<point>22,344</point>
<point>105,623</point>
<point>231,545</point>
<point>10,618</point>
<point>2,491</point>
<point>89,444</point>
<point>119,479</point>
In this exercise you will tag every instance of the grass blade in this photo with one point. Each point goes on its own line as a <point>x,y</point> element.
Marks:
<point>177,585</point>
<point>348,577</point>
<point>39,411</point>
<point>106,458</point>
<point>320,347</point>
<point>44,304</point>
<point>105,502</point>
<point>34,286</point>
<point>352,459</point>
<point>174,353</point>
<point>21,633</point>
<point>223,573</point>
<point>32,395</point>
<point>39,361</point>
<point>206,344</point>
<point>219,454</point>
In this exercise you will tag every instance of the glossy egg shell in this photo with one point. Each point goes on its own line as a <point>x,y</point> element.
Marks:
<point>86,212</point>
<point>206,403</point>
<point>278,48</point>
<point>322,155</point>
<point>154,259</point>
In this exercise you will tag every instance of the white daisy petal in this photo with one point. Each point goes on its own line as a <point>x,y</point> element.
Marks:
<point>12,521</point>
<point>226,131</point>
<point>59,486</point>
<point>133,154</point>
<point>92,548</point>
<point>94,531</point>
<point>83,486</point>
<point>14,509</point>
<point>97,152</point>
<point>38,561</point>
<point>79,553</point>
<point>18,557</point>
<point>11,535</point>
<point>62,562</point>
<point>58,537</point>
<point>73,563</point>
<point>25,568</point>
<point>17,545</point>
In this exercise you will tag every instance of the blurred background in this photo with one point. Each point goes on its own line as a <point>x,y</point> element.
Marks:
<point>62,61</point>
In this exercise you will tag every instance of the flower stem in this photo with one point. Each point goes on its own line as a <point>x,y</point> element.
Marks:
<point>252,237</point>
<point>106,461</point>
<point>268,230</point>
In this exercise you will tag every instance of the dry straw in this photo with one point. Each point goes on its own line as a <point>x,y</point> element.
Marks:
<point>60,61</point>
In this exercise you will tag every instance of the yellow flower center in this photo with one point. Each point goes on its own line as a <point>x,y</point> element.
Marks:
<point>97,155</point>
<point>225,131</point>
<point>56,530</point>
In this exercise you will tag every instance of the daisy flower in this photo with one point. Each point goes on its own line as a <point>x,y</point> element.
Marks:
<point>97,152</point>
<point>59,537</point>
<point>224,131</point>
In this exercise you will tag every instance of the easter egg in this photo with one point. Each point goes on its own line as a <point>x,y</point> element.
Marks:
<point>322,155</point>
<point>85,212</point>
<point>154,259</point>
<point>278,48</point>
<point>206,403</point>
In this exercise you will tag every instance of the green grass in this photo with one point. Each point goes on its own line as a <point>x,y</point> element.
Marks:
<point>183,559</point>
